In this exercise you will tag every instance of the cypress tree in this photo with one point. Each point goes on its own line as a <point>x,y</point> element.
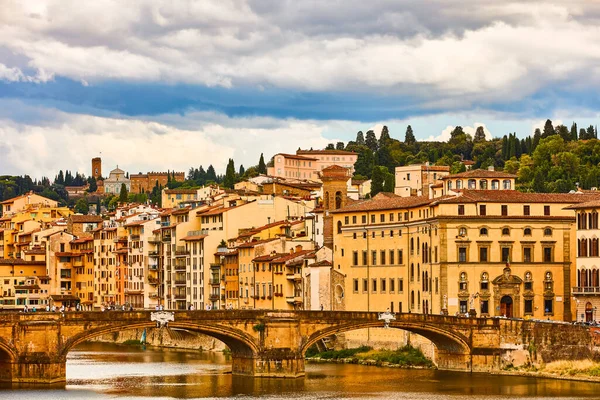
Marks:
<point>262,167</point>
<point>409,137</point>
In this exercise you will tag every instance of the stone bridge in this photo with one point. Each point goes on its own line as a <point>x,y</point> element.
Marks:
<point>264,343</point>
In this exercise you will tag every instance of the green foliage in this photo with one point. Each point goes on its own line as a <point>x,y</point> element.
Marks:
<point>259,327</point>
<point>262,168</point>
<point>409,137</point>
<point>123,195</point>
<point>230,176</point>
<point>381,180</point>
<point>82,206</point>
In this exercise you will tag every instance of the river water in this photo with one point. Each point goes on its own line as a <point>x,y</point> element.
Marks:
<point>105,371</point>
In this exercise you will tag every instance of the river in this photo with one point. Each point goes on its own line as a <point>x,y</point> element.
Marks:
<point>104,371</point>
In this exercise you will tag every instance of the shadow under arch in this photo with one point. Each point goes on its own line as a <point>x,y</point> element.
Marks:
<point>7,358</point>
<point>445,341</point>
<point>240,343</point>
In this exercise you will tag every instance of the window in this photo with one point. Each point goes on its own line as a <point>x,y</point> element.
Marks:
<point>355,258</point>
<point>548,310</point>
<point>382,218</point>
<point>392,253</point>
<point>462,231</point>
<point>526,210</point>
<point>462,254</point>
<point>392,285</point>
<point>483,254</point>
<point>528,306</point>
<point>548,254</point>
<point>548,232</point>
<point>346,220</point>
<point>383,284</point>
<point>546,210</point>
<point>372,219</point>
<point>506,184</point>
<point>483,232</point>
<point>485,306</point>
<point>462,285</point>
<point>482,209</point>
<point>528,284</point>
<point>459,184</point>
<point>354,235</point>
<point>382,257</point>
<point>354,219</point>
<point>364,257</point>
<point>373,257</point>
<point>527,232</point>
<point>461,209</point>
<point>505,231</point>
<point>374,285</point>
<point>472,184</point>
<point>391,217</point>
<point>364,219</point>
<point>483,184</point>
<point>527,251</point>
<point>505,251</point>
<point>365,285</point>
<point>504,210</point>
<point>400,257</point>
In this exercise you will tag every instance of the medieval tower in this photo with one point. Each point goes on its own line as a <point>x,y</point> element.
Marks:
<point>335,196</point>
<point>96,167</point>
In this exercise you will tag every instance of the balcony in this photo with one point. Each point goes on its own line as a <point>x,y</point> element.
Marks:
<point>166,238</point>
<point>153,267</point>
<point>152,280</point>
<point>122,239</point>
<point>181,252</point>
<point>179,267</point>
<point>586,290</point>
<point>153,240</point>
<point>153,295</point>
<point>180,282</point>
<point>213,297</point>
<point>294,277</point>
<point>294,299</point>
<point>215,281</point>
<point>153,254</point>
<point>179,296</point>
<point>134,237</point>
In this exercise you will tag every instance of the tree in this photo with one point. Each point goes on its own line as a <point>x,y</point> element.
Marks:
<point>548,129</point>
<point>409,137</point>
<point>330,146</point>
<point>93,184</point>
<point>123,195</point>
<point>537,136</point>
<point>229,175</point>
<point>371,140</point>
<point>574,131</point>
<point>339,146</point>
<point>262,168</point>
<point>564,132</point>
<point>384,137</point>
<point>360,138</point>
<point>376,181</point>
<point>479,135</point>
<point>211,175</point>
<point>242,170</point>
<point>98,208</point>
<point>82,206</point>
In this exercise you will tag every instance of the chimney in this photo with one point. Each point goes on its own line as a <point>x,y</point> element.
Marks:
<point>430,191</point>
<point>491,168</point>
<point>298,248</point>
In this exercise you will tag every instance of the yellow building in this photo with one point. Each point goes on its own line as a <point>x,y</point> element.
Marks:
<point>24,202</point>
<point>489,252</point>
<point>23,283</point>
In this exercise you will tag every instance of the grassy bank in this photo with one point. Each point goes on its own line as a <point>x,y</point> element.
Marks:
<point>406,356</point>
<point>585,369</point>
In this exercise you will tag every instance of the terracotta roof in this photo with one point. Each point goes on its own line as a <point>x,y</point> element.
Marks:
<point>385,201</point>
<point>81,219</point>
<point>181,191</point>
<point>18,261</point>
<point>514,196</point>
<point>181,211</point>
<point>268,257</point>
<point>193,237</point>
<point>290,256</point>
<point>480,173</point>
<point>296,157</point>
<point>254,243</point>
<point>338,152</point>
<point>586,204</point>
<point>322,263</point>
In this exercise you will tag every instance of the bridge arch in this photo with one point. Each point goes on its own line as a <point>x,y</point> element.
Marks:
<point>239,342</point>
<point>7,353</point>
<point>447,342</point>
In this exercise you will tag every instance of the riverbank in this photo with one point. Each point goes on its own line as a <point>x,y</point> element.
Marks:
<point>164,337</point>
<point>404,357</point>
<point>581,370</point>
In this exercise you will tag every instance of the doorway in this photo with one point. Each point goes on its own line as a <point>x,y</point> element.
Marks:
<point>589,312</point>
<point>506,306</point>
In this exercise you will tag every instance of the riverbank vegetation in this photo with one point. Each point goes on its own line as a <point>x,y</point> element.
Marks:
<point>406,356</point>
<point>566,369</point>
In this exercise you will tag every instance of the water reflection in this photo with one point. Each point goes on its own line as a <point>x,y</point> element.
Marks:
<point>101,371</point>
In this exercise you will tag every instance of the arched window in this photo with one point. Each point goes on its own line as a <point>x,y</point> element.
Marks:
<point>485,281</point>
<point>449,185</point>
<point>418,245</point>
<point>326,198</point>
<point>459,184</point>
<point>412,272</point>
<point>548,283</point>
<point>483,232</point>
<point>505,231</point>
<point>548,232</point>
<point>412,299</point>
<point>594,248</point>
<point>527,232</point>
<point>339,227</point>
<point>472,184</point>
<point>412,246</point>
<point>594,220</point>
<point>495,184</point>
<point>483,184</point>
<point>338,200</point>
<point>582,280</point>
<point>528,281</point>
<point>506,184</point>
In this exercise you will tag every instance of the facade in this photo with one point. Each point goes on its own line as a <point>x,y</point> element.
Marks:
<point>586,287</point>
<point>144,183</point>
<point>23,283</point>
<point>26,202</point>
<point>491,252</point>
<point>174,198</point>
<point>307,164</point>
<point>479,179</point>
<point>83,225</point>
<point>96,168</point>
<point>327,158</point>
<point>414,180</point>
<point>116,178</point>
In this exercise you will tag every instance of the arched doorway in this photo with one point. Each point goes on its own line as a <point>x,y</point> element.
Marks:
<point>589,312</point>
<point>506,306</point>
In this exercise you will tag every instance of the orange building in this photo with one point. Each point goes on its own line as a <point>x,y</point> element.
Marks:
<point>144,183</point>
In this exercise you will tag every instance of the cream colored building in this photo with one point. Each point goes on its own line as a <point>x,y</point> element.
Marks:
<point>492,252</point>
<point>414,180</point>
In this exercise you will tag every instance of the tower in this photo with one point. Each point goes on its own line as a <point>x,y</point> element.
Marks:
<point>96,167</point>
<point>335,196</point>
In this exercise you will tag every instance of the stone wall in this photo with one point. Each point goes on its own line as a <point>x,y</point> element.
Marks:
<point>166,338</point>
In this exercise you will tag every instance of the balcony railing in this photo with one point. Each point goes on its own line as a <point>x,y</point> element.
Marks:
<point>166,238</point>
<point>180,281</point>
<point>152,280</point>
<point>179,267</point>
<point>294,299</point>
<point>153,240</point>
<point>179,296</point>
<point>586,289</point>
<point>153,254</point>
<point>134,237</point>
<point>294,277</point>
<point>213,297</point>
<point>181,252</point>
<point>215,281</point>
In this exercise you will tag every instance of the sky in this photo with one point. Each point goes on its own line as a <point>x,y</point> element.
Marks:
<point>162,85</point>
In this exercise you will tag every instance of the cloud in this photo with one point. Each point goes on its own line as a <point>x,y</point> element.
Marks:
<point>442,51</point>
<point>71,140</point>
<point>470,130</point>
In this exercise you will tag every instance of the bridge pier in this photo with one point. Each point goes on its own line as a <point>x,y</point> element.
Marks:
<point>276,363</point>
<point>33,369</point>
